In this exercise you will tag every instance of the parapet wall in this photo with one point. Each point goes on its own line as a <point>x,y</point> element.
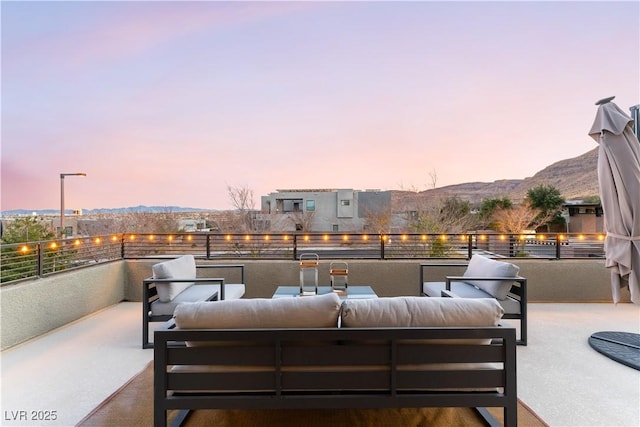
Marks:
<point>33,307</point>
<point>580,280</point>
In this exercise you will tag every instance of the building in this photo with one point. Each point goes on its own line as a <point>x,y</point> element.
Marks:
<point>583,217</point>
<point>327,210</point>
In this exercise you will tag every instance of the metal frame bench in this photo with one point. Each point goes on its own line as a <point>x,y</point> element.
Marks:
<point>150,294</point>
<point>334,368</point>
<point>518,293</point>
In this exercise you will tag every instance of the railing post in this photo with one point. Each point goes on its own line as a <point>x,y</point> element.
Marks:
<point>558,246</point>
<point>295,247</point>
<point>122,246</point>
<point>208,246</point>
<point>382,246</point>
<point>469,246</point>
<point>39,259</point>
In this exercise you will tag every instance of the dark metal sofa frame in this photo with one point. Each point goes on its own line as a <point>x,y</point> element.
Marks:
<point>313,369</point>
<point>150,294</point>
<point>518,292</point>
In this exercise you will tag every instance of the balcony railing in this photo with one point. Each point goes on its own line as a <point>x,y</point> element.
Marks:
<point>38,259</point>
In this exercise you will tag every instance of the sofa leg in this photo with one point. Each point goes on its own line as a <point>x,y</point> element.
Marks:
<point>181,417</point>
<point>487,417</point>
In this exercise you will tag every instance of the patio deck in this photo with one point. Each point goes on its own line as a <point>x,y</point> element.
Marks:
<point>72,369</point>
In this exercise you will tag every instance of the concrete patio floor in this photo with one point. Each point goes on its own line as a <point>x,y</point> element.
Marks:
<point>70,370</point>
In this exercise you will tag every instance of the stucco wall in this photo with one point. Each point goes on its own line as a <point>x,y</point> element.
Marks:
<point>581,280</point>
<point>34,307</point>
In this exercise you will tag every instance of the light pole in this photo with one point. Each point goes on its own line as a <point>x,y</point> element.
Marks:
<point>62,175</point>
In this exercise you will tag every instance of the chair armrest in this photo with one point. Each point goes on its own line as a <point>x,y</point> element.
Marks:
<point>238,266</point>
<point>423,265</point>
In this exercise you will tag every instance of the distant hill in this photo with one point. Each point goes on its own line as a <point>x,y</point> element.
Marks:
<point>131,209</point>
<point>575,178</point>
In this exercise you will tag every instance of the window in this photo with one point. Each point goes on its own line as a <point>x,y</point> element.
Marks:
<point>345,202</point>
<point>311,205</point>
<point>335,227</point>
<point>288,205</point>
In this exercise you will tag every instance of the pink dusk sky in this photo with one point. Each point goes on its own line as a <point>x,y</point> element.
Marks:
<point>168,103</point>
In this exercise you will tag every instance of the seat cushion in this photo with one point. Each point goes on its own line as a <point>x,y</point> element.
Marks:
<point>480,266</point>
<point>183,267</point>
<point>420,312</point>
<point>317,311</point>
<point>461,289</point>
<point>465,290</point>
<point>194,294</point>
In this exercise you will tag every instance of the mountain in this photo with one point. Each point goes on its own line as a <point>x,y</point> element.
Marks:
<point>131,209</point>
<point>575,178</point>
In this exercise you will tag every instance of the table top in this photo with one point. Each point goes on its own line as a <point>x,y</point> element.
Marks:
<point>353,292</point>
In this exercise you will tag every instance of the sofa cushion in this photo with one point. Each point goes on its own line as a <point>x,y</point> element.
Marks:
<point>480,266</point>
<point>420,312</point>
<point>194,294</point>
<point>465,290</point>
<point>183,267</point>
<point>317,311</point>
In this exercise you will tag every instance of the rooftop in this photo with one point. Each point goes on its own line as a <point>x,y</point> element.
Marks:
<point>73,368</point>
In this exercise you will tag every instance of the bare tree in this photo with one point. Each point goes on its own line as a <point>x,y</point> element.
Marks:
<point>303,220</point>
<point>379,220</point>
<point>518,218</point>
<point>448,215</point>
<point>242,200</point>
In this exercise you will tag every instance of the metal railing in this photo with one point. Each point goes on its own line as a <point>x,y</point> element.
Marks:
<point>39,259</point>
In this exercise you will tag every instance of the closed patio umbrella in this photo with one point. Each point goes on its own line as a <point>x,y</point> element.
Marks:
<point>619,179</point>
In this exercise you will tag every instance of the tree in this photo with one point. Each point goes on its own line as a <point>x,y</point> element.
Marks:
<point>489,207</point>
<point>516,219</point>
<point>450,215</point>
<point>26,229</point>
<point>242,200</point>
<point>378,220</point>
<point>17,264</point>
<point>548,200</point>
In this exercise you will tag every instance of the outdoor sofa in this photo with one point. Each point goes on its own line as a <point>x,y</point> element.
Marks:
<point>176,281</point>
<point>318,352</point>
<point>484,278</point>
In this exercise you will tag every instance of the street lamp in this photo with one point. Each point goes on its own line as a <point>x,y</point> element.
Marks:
<point>62,175</point>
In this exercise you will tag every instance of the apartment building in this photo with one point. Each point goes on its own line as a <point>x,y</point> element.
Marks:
<point>327,210</point>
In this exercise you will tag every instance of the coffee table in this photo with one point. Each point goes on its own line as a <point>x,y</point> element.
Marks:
<point>353,292</point>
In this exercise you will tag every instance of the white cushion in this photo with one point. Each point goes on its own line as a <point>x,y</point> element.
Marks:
<point>183,267</point>
<point>194,294</point>
<point>317,311</point>
<point>480,266</point>
<point>420,312</point>
<point>465,290</point>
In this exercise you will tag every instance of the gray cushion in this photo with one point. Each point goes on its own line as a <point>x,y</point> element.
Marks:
<point>183,267</point>
<point>465,290</point>
<point>480,266</point>
<point>317,311</point>
<point>420,312</point>
<point>194,294</point>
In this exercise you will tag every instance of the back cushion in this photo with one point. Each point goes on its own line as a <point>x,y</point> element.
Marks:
<point>317,311</point>
<point>179,268</point>
<point>480,266</point>
<point>420,312</point>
